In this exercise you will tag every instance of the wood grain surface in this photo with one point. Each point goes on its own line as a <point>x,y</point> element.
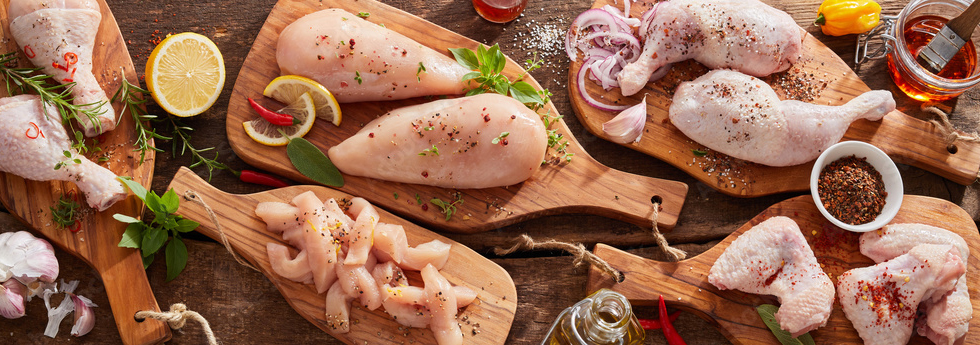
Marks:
<point>121,269</point>
<point>244,307</point>
<point>906,139</point>
<point>685,284</point>
<point>486,321</point>
<point>582,186</point>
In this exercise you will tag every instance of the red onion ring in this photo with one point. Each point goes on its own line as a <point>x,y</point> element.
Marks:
<point>580,82</point>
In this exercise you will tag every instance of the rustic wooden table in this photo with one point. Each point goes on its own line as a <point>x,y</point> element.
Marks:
<point>245,308</point>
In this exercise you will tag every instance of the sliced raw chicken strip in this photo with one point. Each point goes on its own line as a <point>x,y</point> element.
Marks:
<point>741,116</point>
<point>338,308</point>
<point>448,143</point>
<point>34,142</point>
<point>318,241</point>
<point>881,300</point>
<point>947,319</point>
<point>295,268</point>
<point>441,301</point>
<point>362,61</point>
<point>773,258</point>
<point>59,36</point>
<point>746,35</point>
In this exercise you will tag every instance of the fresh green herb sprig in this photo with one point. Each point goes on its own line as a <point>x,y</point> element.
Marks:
<point>699,153</point>
<point>487,66</point>
<point>556,141</point>
<point>127,94</point>
<point>363,15</point>
<point>433,151</point>
<point>447,208</point>
<point>419,71</point>
<point>26,80</point>
<point>149,237</point>
<point>768,312</point>
<point>500,137</point>
<point>70,160</point>
<point>65,212</point>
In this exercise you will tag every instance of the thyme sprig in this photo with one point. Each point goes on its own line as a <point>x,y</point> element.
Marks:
<point>21,80</point>
<point>127,94</point>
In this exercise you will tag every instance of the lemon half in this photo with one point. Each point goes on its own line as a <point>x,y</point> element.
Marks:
<point>185,74</point>
<point>288,88</point>
<point>266,133</point>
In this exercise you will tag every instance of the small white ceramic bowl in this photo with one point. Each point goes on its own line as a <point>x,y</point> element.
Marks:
<point>880,161</point>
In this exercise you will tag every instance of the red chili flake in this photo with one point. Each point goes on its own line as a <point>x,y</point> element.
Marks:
<point>29,52</point>
<point>852,190</point>
<point>37,131</point>
<point>486,118</point>
<point>71,58</point>
<point>351,43</point>
<point>371,135</point>
<point>343,84</point>
<point>513,117</point>
<point>76,227</point>
<point>425,207</point>
<point>425,174</point>
<point>319,57</point>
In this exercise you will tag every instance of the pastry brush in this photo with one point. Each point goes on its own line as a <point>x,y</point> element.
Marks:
<point>950,39</point>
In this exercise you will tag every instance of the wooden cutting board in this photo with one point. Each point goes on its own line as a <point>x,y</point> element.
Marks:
<point>820,66</point>
<point>486,321</point>
<point>121,269</point>
<point>583,186</point>
<point>685,284</point>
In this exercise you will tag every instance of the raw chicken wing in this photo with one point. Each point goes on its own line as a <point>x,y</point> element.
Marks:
<point>746,35</point>
<point>881,300</point>
<point>741,116</point>
<point>947,319</point>
<point>362,61</point>
<point>773,258</point>
<point>59,36</point>
<point>34,142</point>
<point>448,143</point>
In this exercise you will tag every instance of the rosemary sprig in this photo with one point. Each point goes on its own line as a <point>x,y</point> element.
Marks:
<point>24,80</point>
<point>127,95</point>
<point>182,132</point>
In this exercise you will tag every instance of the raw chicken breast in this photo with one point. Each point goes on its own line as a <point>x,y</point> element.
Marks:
<point>59,37</point>
<point>947,319</point>
<point>361,61</point>
<point>33,143</point>
<point>741,116</point>
<point>773,258</point>
<point>746,35</point>
<point>441,301</point>
<point>448,143</point>
<point>881,300</point>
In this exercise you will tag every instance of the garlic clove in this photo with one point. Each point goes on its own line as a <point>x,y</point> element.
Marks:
<point>627,127</point>
<point>84,316</point>
<point>12,299</point>
<point>39,263</point>
<point>12,249</point>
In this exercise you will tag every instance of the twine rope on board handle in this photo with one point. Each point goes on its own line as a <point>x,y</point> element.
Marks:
<point>177,318</point>
<point>192,196</point>
<point>946,127</point>
<point>672,253</point>
<point>525,242</point>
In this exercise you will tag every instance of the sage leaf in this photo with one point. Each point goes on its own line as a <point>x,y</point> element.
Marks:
<point>312,163</point>
<point>133,236</point>
<point>768,314</point>
<point>176,254</point>
<point>465,57</point>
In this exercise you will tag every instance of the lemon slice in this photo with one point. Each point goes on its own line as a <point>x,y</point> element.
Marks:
<point>266,133</point>
<point>185,74</point>
<point>289,87</point>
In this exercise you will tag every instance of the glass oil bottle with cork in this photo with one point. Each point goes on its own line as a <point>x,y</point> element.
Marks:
<point>603,318</point>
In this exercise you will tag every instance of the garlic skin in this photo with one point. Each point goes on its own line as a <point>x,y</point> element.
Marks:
<point>12,299</point>
<point>56,315</point>
<point>84,317</point>
<point>627,127</point>
<point>26,258</point>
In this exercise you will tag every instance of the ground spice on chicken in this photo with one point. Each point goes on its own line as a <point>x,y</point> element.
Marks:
<point>852,190</point>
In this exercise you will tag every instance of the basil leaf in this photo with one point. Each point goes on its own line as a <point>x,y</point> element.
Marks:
<point>502,88</point>
<point>481,54</point>
<point>170,201</point>
<point>147,260</point>
<point>768,314</point>
<point>475,92</point>
<point>135,187</point>
<point>133,236</point>
<point>155,204</point>
<point>471,75</point>
<point>176,254</point>
<point>126,219</point>
<point>186,225</point>
<point>465,57</point>
<point>497,59</point>
<point>312,163</point>
<point>153,240</point>
<point>525,93</point>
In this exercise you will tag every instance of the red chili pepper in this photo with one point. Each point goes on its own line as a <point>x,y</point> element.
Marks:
<point>71,78</point>
<point>71,58</point>
<point>76,227</point>
<point>250,176</point>
<point>29,52</point>
<point>648,324</point>
<point>669,332</point>
<point>271,116</point>
<point>37,131</point>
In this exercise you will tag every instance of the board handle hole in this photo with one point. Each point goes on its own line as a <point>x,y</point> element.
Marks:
<point>952,149</point>
<point>656,199</point>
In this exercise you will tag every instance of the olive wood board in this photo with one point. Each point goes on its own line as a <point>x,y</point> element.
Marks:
<point>685,285</point>
<point>904,138</point>
<point>121,269</point>
<point>581,186</point>
<point>486,321</point>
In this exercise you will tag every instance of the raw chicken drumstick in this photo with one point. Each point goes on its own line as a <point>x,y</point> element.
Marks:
<point>881,300</point>
<point>741,116</point>
<point>58,36</point>
<point>745,35</point>
<point>773,258</point>
<point>34,143</point>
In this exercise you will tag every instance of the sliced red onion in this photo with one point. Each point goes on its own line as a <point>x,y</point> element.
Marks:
<point>627,127</point>
<point>580,82</point>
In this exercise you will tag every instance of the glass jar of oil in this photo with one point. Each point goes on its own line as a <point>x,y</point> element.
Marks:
<point>603,318</point>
